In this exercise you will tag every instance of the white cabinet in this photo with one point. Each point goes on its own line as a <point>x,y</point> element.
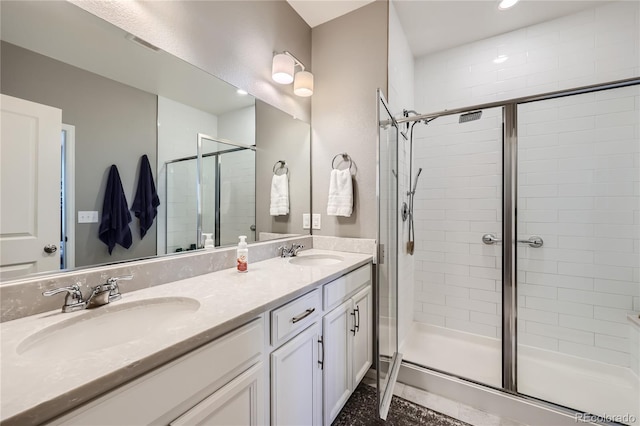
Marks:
<point>319,348</point>
<point>226,371</point>
<point>337,327</point>
<point>239,403</point>
<point>348,340</point>
<point>296,380</point>
<point>363,339</point>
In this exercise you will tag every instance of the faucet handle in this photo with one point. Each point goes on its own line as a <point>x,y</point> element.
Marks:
<point>73,301</point>
<point>114,293</point>
<point>114,280</point>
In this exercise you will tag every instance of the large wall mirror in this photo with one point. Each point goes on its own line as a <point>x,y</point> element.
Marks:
<point>112,99</point>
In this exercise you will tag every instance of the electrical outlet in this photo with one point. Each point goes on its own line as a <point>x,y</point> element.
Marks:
<point>317,221</point>
<point>87,217</point>
<point>306,221</point>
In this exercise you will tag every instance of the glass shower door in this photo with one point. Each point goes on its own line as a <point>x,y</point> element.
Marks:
<point>388,359</point>
<point>578,252</point>
<point>457,323</point>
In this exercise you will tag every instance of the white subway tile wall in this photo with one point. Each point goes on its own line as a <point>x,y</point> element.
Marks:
<point>238,189</point>
<point>401,93</point>
<point>594,46</point>
<point>581,284</point>
<point>181,205</point>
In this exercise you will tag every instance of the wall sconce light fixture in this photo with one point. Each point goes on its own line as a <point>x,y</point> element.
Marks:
<point>283,72</point>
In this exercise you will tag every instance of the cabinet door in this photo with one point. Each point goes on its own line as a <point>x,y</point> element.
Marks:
<point>239,403</point>
<point>296,380</point>
<point>363,340</point>
<point>338,331</point>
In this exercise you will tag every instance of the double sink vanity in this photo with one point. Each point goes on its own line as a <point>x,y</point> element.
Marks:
<point>285,343</point>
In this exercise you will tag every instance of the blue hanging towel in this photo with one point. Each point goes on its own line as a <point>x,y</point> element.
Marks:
<point>114,226</point>
<point>146,201</point>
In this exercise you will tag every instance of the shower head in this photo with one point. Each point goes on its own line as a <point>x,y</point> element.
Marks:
<point>415,182</point>
<point>470,116</point>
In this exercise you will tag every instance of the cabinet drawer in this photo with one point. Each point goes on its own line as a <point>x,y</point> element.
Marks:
<point>162,395</point>
<point>294,317</point>
<point>337,290</point>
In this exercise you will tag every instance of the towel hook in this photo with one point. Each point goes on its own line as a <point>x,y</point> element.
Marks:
<point>345,157</point>
<point>279,165</point>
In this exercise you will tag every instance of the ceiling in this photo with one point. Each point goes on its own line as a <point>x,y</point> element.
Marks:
<point>434,25</point>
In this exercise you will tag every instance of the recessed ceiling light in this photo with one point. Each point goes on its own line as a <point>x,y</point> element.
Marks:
<point>500,59</point>
<point>506,4</point>
<point>242,92</point>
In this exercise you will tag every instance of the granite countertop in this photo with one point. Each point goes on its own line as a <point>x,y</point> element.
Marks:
<point>39,386</point>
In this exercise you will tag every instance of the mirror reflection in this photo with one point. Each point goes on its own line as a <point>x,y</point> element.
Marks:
<point>112,99</point>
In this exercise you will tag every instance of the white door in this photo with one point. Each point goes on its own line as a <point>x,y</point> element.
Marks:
<point>29,187</point>
<point>338,328</point>
<point>296,381</point>
<point>363,340</point>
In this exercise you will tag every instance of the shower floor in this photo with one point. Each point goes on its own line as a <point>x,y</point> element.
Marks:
<point>578,383</point>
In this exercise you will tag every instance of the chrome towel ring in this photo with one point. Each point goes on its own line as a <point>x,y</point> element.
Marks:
<point>280,165</point>
<point>345,158</point>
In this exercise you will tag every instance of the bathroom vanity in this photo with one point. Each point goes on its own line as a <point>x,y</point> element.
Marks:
<point>286,343</point>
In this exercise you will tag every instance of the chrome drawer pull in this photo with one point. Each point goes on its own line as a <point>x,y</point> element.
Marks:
<point>303,315</point>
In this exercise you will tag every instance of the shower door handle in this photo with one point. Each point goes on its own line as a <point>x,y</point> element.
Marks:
<point>533,241</point>
<point>490,239</point>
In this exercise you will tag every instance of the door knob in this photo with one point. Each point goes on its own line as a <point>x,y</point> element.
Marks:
<point>50,248</point>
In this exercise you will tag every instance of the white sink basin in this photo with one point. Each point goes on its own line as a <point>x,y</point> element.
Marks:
<point>107,326</point>
<point>316,260</point>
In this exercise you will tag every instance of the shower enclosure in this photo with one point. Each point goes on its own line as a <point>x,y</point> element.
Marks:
<point>211,193</point>
<point>526,264</point>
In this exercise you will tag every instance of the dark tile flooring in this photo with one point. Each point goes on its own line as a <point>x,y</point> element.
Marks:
<point>361,410</point>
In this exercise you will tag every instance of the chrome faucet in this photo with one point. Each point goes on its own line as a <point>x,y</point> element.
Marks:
<point>101,294</point>
<point>73,301</point>
<point>290,251</point>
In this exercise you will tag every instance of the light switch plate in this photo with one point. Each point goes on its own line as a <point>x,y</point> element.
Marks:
<point>306,221</point>
<point>317,221</point>
<point>87,216</point>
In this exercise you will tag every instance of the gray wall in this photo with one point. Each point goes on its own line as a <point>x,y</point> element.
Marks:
<point>115,124</point>
<point>350,63</point>
<point>233,40</point>
<point>281,137</point>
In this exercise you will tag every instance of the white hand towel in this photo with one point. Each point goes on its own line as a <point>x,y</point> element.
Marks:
<point>279,195</point>
<point>340,193</point>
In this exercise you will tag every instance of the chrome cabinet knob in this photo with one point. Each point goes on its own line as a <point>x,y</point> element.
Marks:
<point>50,248</point>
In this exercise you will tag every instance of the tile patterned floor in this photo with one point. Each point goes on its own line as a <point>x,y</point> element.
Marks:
<point>361,410</point>
<point>411,401</point>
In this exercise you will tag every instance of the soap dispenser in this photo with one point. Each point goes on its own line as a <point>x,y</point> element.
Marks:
<point>242,257</point>
<point>208,241</point>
